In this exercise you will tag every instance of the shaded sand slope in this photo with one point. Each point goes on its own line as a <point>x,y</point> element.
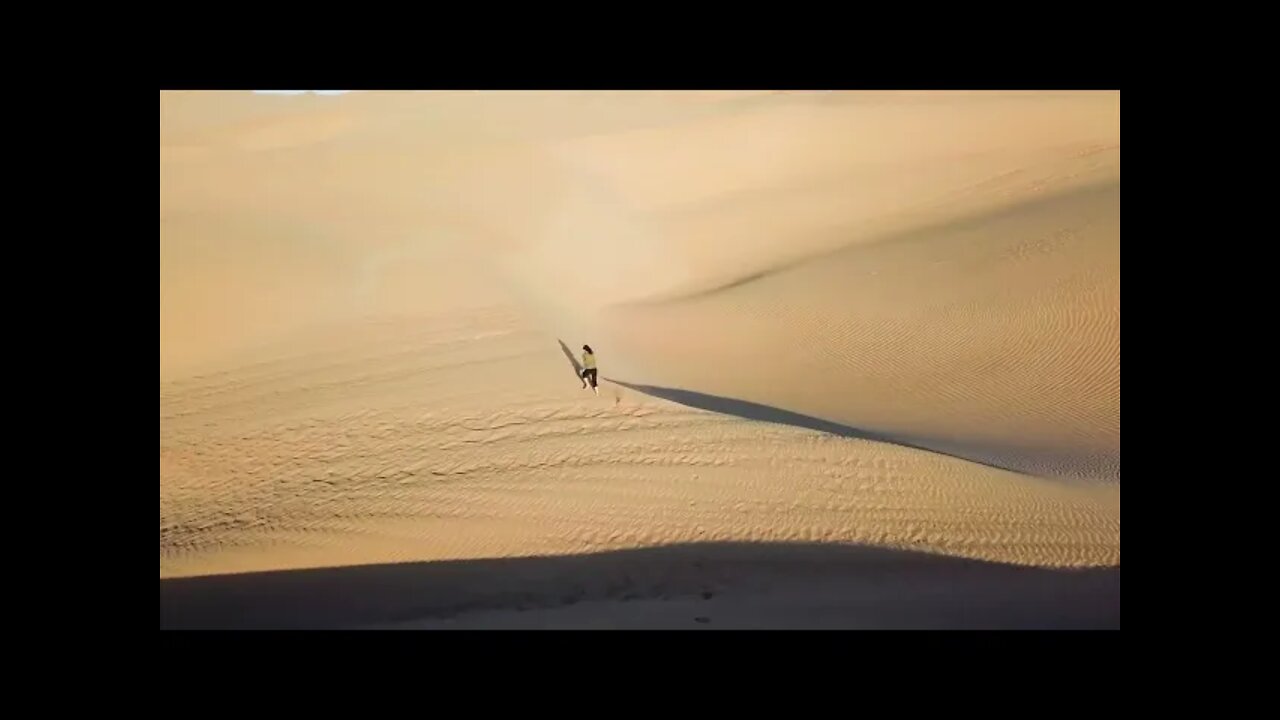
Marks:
<point>710,585</point>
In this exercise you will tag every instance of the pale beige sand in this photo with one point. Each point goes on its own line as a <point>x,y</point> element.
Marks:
<point>362,298</point>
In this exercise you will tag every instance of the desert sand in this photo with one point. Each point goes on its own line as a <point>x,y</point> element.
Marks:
<point>859,358</point>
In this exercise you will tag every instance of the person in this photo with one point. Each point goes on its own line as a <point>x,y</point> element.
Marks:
<point>589,369</point>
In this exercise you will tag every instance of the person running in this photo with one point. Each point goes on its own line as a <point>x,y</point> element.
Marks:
<point>589,369</point>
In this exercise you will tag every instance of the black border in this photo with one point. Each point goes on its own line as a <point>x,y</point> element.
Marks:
<point>845,48</point>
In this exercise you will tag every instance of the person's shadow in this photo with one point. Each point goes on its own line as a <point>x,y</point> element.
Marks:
<point>577,367</point>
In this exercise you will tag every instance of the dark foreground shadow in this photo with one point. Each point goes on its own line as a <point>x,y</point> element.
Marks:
<point>696,586</point>
<point>766,413</point>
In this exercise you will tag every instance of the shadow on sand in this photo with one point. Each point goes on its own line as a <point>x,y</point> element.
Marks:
<point>577,366</point>
<point>720,585</point>
<point>765,413</point>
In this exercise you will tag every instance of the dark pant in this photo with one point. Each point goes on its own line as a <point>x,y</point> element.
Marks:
<point>590,375</point>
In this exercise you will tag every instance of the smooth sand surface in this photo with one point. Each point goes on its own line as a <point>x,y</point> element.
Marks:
<point>860,360</point>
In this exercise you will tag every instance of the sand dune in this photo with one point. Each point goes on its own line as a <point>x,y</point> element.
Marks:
<point>884,327</point>
<point>995,337</point>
